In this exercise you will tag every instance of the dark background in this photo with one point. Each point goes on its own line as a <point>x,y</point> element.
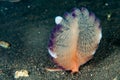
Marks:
<point>27,24</point>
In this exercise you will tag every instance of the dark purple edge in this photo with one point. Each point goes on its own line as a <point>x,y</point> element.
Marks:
<point>56,29</point>
<point>65,14</point>
<point>83,9</point>
<point>96,19</point>
<point>73,11</point>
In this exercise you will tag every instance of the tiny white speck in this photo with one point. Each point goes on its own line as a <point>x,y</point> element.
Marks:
<point>6,8</point>
<point>106,4</point>
<point>58,19</point>
<point>38,32</point>
<point>108,16</point>
<point>91,74</point>
<point>28,6</point>
<point>52,54</point>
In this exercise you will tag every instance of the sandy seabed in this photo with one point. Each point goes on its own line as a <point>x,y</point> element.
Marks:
<point>26,26</point>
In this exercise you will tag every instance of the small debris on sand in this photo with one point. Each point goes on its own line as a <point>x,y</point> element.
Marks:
<point>109,17</point>
<point>4,44</point>
<point>115,78</point>
<point>21,73</point>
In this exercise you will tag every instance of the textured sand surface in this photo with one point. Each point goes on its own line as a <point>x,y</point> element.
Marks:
<point>26,25</point>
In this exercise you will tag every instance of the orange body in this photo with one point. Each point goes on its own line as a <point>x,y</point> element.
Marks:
<point>75,39</point>
<point>73,61</point>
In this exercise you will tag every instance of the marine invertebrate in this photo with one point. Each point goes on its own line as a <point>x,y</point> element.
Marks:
<point>74,40</point>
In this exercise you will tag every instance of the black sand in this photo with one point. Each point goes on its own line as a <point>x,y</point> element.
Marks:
<point>26,25</point>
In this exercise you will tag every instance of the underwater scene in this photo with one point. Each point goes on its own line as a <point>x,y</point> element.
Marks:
<point>59,40</point>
